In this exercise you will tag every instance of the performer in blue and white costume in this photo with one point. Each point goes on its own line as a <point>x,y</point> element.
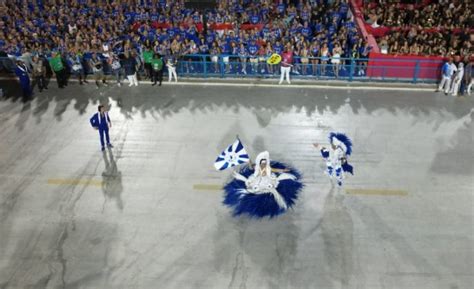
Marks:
<point>336,156</point>
<point>263,189</point>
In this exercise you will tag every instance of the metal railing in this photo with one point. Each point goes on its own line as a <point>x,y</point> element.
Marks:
<point>350,69</point>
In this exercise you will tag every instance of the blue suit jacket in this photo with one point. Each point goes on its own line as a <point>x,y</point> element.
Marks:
<point>22,74</point>
<point>96,121</point>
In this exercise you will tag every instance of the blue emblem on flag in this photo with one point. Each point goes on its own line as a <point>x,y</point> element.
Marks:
<point>234,155</point>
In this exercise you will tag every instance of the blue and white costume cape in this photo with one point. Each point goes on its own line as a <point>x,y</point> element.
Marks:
<point>258,193</point>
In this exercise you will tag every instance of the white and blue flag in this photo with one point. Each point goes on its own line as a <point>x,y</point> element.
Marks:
<point>234,155</point>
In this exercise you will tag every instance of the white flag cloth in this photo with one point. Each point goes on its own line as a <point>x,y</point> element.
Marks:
<point>234,155</point>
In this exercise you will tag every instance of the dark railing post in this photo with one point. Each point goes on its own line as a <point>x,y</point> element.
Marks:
<point>351,69</point>
<point>204,66</point>
<point>222,66</point>
<point>416,72</point>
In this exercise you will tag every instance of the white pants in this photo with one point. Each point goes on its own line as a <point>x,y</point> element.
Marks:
<point>285,73</point>
<point>172,73</point>
<point>132,79</point>
<point>456,86</point>
<point>445,84</point>
<point>469,86</point>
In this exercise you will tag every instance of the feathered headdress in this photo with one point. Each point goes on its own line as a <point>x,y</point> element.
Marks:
<point>342,141</point>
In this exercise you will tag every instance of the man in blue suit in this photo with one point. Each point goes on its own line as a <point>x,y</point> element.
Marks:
<point>23,75</point>
<point>101,122</point>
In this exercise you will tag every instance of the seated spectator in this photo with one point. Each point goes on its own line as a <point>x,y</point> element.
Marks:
<point>433,28</point>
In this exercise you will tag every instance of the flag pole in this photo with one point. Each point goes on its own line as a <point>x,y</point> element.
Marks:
<point>250,159</point>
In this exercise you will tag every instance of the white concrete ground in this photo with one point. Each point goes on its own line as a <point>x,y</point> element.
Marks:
<point>147,214</point>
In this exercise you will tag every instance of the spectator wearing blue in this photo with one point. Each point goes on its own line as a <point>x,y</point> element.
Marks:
<point>23,75</point>
<point>101,122</point>
<point>253,51</point>
<point>225,52</point>
<point>77,69</point>
<point>447,72</point>
<point>116,69</point>
<point>243,55</point>
<point>306,30</point>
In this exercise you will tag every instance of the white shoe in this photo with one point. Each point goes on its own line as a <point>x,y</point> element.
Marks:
<point>119,84</point>
<point>136,84</point>
<point>130,84</point>
<point>279,83</point>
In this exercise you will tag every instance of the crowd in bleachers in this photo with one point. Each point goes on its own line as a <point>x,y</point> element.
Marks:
<point>317,31</point>
<point>440,27</point>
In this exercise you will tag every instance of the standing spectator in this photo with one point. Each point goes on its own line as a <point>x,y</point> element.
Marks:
<point>98,70</point>
<point>101,122</point>
<point>116,69</point>
<point>39,73</point>
<point>469,77</point>
<point>147,57</point>
<point>22,72</point>
<point>130,66</point>
<point>171,65</point>
<point>286,64</point>
<point>447,72</point>
<point>243,54</point>
<point>457,79</point>
<point>314,53</point>
<point>268,53</point>
<point>262,59</point>
<point>58,69</point>
<point>336,59</point>
<point>253,51</point>
<point>324,57</point>
<point>157,67</point>
<point>77,68</point>
<point>215,51</point>
<point>304,54</point>
<point>225,50</point>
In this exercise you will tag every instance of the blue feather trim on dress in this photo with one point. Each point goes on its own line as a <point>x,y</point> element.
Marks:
<point>261,205</point>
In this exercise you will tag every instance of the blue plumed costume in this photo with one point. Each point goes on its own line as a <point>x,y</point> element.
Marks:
<point>268,190</point>
<point>336,156</point>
